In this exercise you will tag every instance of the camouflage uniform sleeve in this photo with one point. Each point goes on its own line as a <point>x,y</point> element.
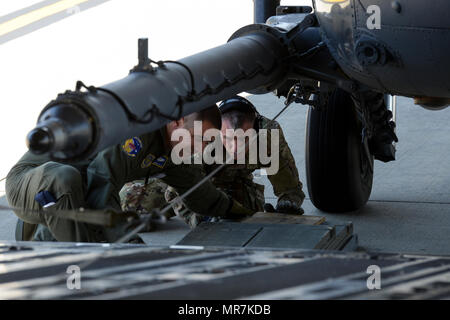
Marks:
<point>286,182</point>
<point>206,199</point>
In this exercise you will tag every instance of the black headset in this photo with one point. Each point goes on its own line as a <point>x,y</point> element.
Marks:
<point>240,103</point>
<point>236,103</point>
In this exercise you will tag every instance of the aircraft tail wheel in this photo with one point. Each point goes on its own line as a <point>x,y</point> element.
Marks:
<point>339,166</point>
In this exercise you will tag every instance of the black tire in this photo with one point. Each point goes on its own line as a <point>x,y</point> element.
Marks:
<point>339,172</point>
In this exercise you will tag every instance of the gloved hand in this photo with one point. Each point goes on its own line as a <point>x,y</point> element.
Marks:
<point>268,207</point>
<point>45,198</point>
<point>289,206</point>
<point>284,206</point>
<point>238,211</point>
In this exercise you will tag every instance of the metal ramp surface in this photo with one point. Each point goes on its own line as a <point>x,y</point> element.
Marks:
<point>39,271</point>
<point>269,235</point>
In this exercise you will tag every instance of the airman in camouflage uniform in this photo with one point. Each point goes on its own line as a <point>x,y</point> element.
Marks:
<point>237,179</point>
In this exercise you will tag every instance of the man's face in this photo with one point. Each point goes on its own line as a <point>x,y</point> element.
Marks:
<point>195,131</point>
<point>232,144</point>
<point>197,138</point>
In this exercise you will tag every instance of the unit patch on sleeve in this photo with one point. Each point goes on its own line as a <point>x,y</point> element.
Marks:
<point>147,162</point>
<point>132,146</point>
<point>160,162</point>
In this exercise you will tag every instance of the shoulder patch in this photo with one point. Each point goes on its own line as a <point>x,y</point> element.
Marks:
<point>147,162</point>
<point>160,162</point>
<point>132,146</point>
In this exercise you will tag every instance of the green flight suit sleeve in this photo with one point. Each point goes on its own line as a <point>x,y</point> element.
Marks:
<point>109,171</point>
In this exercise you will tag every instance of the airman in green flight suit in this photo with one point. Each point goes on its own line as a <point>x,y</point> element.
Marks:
<point>36,181</point>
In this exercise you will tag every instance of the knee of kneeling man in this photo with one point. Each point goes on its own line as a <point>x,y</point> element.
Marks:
<point>66,178</point>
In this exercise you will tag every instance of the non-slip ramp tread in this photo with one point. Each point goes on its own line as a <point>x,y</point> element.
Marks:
<point>269,217</point>
<point>293,236</point>
<point>220,234</point>
<point>235,234</point>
